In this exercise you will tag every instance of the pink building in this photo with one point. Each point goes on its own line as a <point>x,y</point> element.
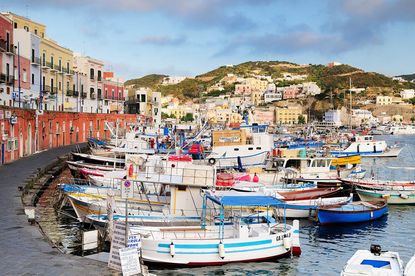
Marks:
<point>113,94</point>
<point>290,93</point>
<point>24,73</point>
<point>243,89</point>
<point>264,116</point>
<point>6,61</point>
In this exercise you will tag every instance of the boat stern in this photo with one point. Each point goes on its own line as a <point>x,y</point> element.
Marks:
<point>295,236</point>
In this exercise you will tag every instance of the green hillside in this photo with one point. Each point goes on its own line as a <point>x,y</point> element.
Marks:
<point>409,77</point>
<point>335,78</point>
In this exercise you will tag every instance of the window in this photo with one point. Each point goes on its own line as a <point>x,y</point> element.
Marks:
<point>60,63</point>
<point>33,55</point>
<point>35,31</point>
<point>15,25</point>
<point>250,148</point>
<point>51,61</point>
<point>24,75</point>
<point>236,149</point>
<point>33,78</point>
<point>91,73</point>
<point>26,28</point>
<point>67,67</point>
<point>44,59</point>
<point>258,148</point>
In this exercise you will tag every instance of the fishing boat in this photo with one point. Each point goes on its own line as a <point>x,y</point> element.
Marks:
<point>390,196</point>
<point>374,263</point>
<point>402,130</point>
<point>95,159</point>
<point>376,184</point>
<point>352,212</point>
<point>367,146</point>
<point>221,244</point>
<point>410,267</point>
<point>346,160</point>
<point>74,166</point>
<point>308,208</point>
<point>307,194</point>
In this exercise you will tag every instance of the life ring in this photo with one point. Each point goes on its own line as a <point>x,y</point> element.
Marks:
<point>212,161</point>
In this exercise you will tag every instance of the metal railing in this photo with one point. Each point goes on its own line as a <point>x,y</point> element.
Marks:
<point>69,92</point>
<point>83,94</point>
<point>35,60</point>
<point>46,89</point>
<point>9,79</point>
<point>54,90</point>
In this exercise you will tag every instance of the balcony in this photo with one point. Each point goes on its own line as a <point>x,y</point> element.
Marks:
<point>53,90</point>
<point>75,93</point>
<point>69,92</point>
<point>35,61</point>
<point>92,78</point>
<point>9,80</point>
<point>2,78</point>
<point>10,50</point>
<point>58,68</point>
<point>99,78</point>
<point>83,95</point>
<point>100,96</point>
<point>52,67</point>
<point>46,89</point>
<point>68,72</point>
<point>2,45</point>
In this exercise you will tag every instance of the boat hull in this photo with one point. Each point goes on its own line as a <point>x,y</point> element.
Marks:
<point>391,197</point>
<point>335,217</point>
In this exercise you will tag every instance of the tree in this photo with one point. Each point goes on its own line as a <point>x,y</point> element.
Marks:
<point>412,119</point>
<point>301,120</point>
<point>188,117</point>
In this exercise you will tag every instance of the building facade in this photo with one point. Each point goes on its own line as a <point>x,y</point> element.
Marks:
<point>289,115</point>
<point>6,61</point>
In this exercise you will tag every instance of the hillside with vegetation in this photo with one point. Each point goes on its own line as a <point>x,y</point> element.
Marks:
<point>334,79</point>
<point>410,77</point>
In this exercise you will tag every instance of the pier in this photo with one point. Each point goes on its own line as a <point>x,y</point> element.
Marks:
<point>24,249</point>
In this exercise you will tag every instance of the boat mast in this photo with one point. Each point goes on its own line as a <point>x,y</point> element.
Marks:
<point>350,91</point>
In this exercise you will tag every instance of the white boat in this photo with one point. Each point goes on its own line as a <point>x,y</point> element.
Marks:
<point>390,196</point>
<point>367,146</point>
<point>95,159</point>
<point>410,267</point>
<point>221,244</point>
<point>374,263</point>
<point>253,155</point>
<point>402,130</point>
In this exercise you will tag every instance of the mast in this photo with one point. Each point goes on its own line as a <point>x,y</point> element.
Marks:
<point>350,91</point>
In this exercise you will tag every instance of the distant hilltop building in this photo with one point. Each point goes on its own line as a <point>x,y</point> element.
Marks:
<point>171,80</point>
<point>400,79</point>
<point>333,63</point>
<point>407,94</point>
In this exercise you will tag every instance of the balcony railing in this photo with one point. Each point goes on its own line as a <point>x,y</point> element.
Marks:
<point>35,61</point>
<point>52,67</point>
<point>9,79</point>
<point>69,92</point>
<point>2,45</point>
<point>54,90</point>
<point>100,96</point>
<point>75,93</point>
<point>92,78</point>
<point>58,68</point>
<point>46,89</point>
<point>68,72</point>
<point>10,50</point>
<point>99,78</point>
<point>2,78</point>
<point>83,94</point>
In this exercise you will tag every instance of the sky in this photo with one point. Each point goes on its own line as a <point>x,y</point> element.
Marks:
<point>189,37</point>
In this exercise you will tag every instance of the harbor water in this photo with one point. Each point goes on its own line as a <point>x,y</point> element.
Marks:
<point>325,249</point>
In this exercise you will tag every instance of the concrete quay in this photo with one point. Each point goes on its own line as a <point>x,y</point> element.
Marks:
<point>24,250</point>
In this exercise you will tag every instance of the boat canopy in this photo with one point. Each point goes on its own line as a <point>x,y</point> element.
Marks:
<point>243,199</point>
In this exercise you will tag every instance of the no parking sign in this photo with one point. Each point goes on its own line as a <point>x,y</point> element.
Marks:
<point>126,190</point>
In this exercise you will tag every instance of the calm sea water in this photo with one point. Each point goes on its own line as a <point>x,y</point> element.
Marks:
<point>326,249</point>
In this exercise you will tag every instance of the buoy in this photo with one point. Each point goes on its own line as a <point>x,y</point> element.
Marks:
<point>221,248</point>
<point>287,243</point>
<point>130,170</point>
<point>172,249</point>
<point>212,161</point>
<point>255,178</point>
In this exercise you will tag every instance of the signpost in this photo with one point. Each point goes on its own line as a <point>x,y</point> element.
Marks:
<point>129,261</point>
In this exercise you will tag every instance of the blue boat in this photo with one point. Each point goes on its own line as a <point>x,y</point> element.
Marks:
<point>352,212</point>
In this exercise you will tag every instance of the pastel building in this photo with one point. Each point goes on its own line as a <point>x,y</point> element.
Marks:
<point>243,89</point>
<point>145,102</point>
<point>6,61</point>
<point>288,115</point>
<point>90,77</point>
<point>264,116</point>
<point>28,60</point>
<point>113,94</point>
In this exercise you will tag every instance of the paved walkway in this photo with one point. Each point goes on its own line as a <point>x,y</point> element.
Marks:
<point>23,250</point>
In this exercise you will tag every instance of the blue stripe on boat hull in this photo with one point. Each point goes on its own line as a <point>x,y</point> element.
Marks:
<point>329,217</point>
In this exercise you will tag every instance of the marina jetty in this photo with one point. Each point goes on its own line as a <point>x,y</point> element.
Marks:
<point>25,250</point>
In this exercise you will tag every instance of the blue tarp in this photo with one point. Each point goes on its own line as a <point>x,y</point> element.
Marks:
<point>254,200</point>
<point>375,263</point>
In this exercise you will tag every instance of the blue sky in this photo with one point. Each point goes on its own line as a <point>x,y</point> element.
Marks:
<point>190,37</point>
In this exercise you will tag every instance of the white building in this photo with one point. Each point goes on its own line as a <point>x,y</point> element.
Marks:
<point>310,89</point>
<point>273,93</point>
<point>334,117</point>
<point>171,80</point>
<point>89,78</point>
<point>407,93</point>
<point>28,50</point>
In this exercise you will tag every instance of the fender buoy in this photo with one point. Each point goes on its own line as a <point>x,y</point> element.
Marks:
<point>130,170</point>
<point>212,161</point>
<point>221,248</point>
<point>172,250</point>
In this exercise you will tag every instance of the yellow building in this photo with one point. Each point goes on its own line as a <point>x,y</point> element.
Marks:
<point>57,75</point>
<point>220,115</point>
<point>257,84</point>
<point>383,100</point>
<point>20,22</point>
<point>289,115</point>
<point>256,96</point>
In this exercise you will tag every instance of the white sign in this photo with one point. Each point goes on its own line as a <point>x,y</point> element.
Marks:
<point>129,261</point>
<point>117,242</point>
<point>134,242</point>
<point>232,139</point>
<point>89,240</point>
<point>126,189</point>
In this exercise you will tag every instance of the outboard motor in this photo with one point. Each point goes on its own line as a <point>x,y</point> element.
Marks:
<point>375,249</point>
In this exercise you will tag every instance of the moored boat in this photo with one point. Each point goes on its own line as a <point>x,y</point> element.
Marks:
<point>352,212</point>
<point>390,196</point>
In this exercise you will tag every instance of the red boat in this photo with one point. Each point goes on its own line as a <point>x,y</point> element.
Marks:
<point>309,194</point>
<point>85,172</point>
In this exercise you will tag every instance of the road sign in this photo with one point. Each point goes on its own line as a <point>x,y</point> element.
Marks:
<point>126,190</point>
